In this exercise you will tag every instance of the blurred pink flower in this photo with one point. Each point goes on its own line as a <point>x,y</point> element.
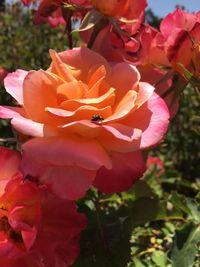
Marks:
<point>50,11</point>
<point>156,161</point>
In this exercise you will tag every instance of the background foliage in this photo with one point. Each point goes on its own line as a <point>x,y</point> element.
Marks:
<point>157,223</point>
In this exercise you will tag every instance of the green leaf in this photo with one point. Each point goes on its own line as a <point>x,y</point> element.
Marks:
<point>137,262</point>
<point>194,208</point>
<point>144,210</point>
<point>187,205</point>
<point>142,189</point>
<point>164,213</point>
<point>105,242</point>
<point>184,249</point>
<point>159,258</point>
<point>186,72</point>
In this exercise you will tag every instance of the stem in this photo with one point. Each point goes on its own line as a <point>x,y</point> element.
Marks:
<point>97,28</point>
<point>67,15</point>
<point>166,77</point>
<point>99,224</point>
<point>8,140</point>
<point>69,33</point>
<point>178,82</point>
<point>102,236</point>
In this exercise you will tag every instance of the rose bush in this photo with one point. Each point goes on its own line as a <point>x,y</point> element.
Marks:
<point>86,115</point>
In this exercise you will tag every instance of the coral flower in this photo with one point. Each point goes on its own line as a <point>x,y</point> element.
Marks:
<point>86,116</point>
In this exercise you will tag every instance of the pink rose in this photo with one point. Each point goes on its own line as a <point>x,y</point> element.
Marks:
<point>87,115</point>
<point>180,32</point>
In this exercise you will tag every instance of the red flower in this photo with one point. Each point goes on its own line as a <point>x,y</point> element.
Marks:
<point>36,228</point>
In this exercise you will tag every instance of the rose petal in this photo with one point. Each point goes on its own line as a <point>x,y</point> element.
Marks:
<point>68,182</point>
<point>9,162</point>
<point>127,168</point>
<point>21,123</point>
<point>83,59</point>
<point>61,151</point>
<point>99,102</point>
<point>120,138</point>
<point>84,112</point>
<point>14,84</point>
<point>70,90</point>
<point>40,92</point>
<point>145,91</point>
<point>127,80</point>
<point>124,107</point>
<point>153,119</point>
<point>60,68</point>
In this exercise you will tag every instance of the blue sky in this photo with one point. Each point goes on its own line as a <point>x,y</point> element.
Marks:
<point>163,7</point>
